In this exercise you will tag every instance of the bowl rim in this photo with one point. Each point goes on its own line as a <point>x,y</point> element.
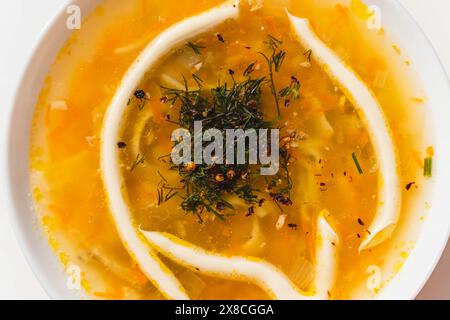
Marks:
<point>55,289</point>
<point>406,284</point>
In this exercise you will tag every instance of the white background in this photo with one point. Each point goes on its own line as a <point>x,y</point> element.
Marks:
<point>20,24</point>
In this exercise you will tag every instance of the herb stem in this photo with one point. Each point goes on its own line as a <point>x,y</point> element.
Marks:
<point>428,167</point>
<point>272,83</point>
<point>358,166</point>
<point>139,160</point>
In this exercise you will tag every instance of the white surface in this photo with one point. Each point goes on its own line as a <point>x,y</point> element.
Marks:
<point>21,22</point>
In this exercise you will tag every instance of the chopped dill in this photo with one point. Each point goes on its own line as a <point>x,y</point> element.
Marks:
<point>358,166</point>
<point>140,159</point>
<point>308,54</point>
<point>428,167</point>
<point>249,70</point>
<point>291,92</point>
<point>274,62</point>
<point>165,192</point>
<point>197,80</point>
<point>195,47</point>
<point>206,188</point>
<point>273,42</point>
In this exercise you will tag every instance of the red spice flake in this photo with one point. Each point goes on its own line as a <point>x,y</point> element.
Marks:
<point>409,185</point>
<point>121,145</point>
<point>164,99</point>
<point>250,211</point>
<point>293,226</point>
<point>221,39</point>
<point>361,222</point>
<point>261,202</point>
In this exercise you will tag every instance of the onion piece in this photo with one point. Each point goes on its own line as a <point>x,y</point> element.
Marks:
<point>174,36</point>
<point>255,245</point>
<point>370,111</point>
<point>326,265</point>
<point>138,131</point>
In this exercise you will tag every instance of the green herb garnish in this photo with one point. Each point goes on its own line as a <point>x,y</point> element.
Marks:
<point>165,192</point>
<point>238,106</point>
<point>428,167</point>
<point>250,68</point>
<point>358,166</point>
<point>195,47</point>
<point>273,42</point>
<point>308,54</point>
<point>140,159</point>
<point>274,62</point>
<point>291,92</point>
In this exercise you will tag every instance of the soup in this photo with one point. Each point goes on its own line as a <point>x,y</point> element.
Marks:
<point>311,222</point>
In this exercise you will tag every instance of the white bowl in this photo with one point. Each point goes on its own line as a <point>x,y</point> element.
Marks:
<point>15,174</point>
